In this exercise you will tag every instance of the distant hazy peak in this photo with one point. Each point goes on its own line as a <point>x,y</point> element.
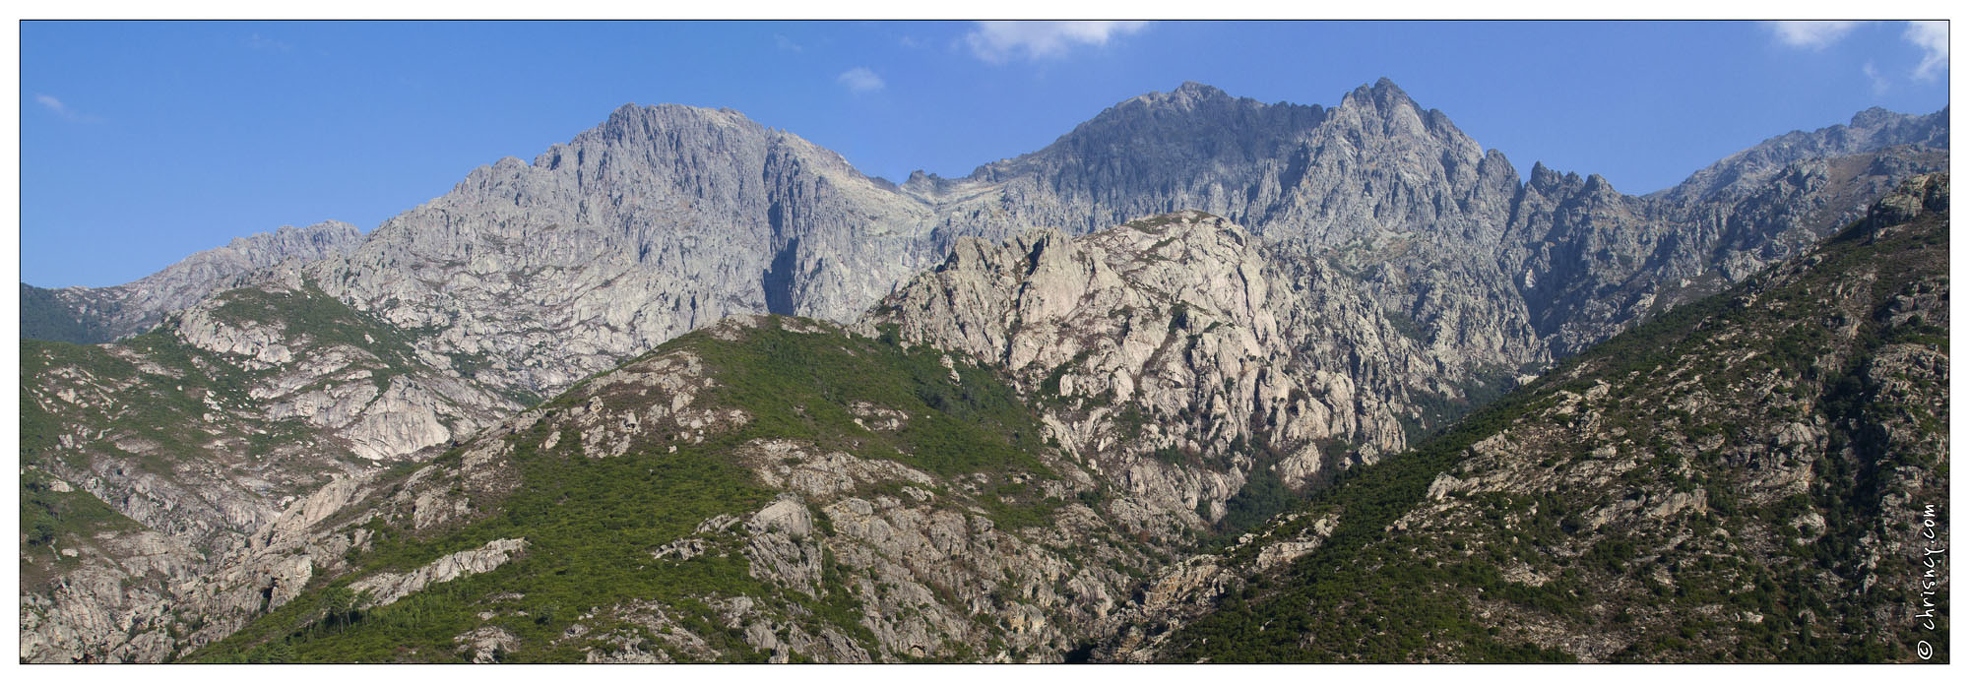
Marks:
<point>1870,130</point>
<point>1194,88</point>
<point>259,250</point>
<point>112,312</point>
<point>1185,96</point>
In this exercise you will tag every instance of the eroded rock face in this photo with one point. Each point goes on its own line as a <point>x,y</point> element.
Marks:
<point>662,220</point>
<point>1177,353</point>
<point>1190,588</point>
<point>108,606</point>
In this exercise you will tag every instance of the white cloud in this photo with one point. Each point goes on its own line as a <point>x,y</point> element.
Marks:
<point>786,43</point>
<point>51,103</point>
<point>1880,83</point>
<point>1815,35</point>
<point>999,41</point>
<point>265,44</point>
<point>61,109</point>
<point>861,80</point>
<point>1932,38</point>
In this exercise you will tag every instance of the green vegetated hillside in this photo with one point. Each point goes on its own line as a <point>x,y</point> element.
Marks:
<point>150,404</point>
<point>1752,477</point>
<point>179,403</point>
<point>768,488</point>
<point>45,317</point>
<point>150,464</point>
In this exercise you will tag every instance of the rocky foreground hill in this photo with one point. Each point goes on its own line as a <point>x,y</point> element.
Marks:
<point>153,467</point>
<point>997,436</point>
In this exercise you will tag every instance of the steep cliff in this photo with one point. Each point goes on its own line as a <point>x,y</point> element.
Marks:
<point>660,221</point>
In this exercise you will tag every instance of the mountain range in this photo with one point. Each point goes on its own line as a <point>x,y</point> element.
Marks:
<point>689,388</point>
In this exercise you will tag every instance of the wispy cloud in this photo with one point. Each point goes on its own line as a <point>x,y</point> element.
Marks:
<point>786,43</point>
<point>265,44</point>
<point>1000,41</point>
<point>1932,38</point>
<point>1880,83</point>
<point>861,80</point>
<point>1812,35</point>
<point>54,104</point>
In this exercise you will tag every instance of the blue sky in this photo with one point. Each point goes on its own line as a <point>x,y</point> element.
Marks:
<point>144,142</point>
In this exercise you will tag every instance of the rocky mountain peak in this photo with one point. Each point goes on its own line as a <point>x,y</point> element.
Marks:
<point>1188,96</point>
<point>1384,97</point>
<point>1545,178</point>
<point>1198,89</point>
<point>658,221</point>
<point>1871,130</point>
<point>1191,105</point>
<point>1872,117</point>
<point>653,129</point>
<point>1384,115</point>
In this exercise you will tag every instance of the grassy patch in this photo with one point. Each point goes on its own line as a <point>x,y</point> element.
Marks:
<point>800,386</point>
<point>47,516</point>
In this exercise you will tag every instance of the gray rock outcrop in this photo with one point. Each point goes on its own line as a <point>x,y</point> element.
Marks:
<point>1177,353</point>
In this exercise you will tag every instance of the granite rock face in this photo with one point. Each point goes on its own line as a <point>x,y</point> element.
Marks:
<point>1496,272</point>
<point>1177,353</point>
<point>662,220</point>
